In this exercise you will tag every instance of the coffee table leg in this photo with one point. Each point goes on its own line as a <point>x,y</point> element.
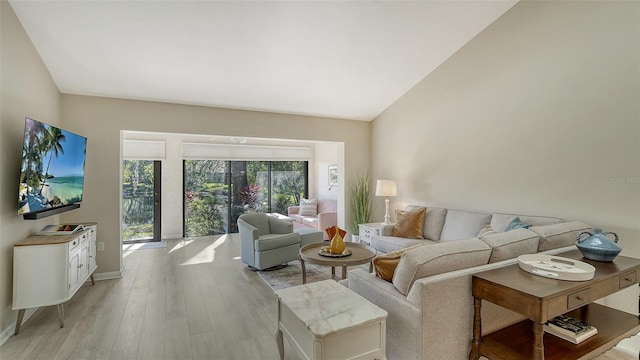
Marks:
<point>333,272</point>
<point>344,272</point>
<point>304,272</point>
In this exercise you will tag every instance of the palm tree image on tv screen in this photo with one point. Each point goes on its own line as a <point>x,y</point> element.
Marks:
<point>52,171</point>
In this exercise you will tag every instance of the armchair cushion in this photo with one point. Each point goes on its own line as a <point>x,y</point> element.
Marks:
<point>276,241</point>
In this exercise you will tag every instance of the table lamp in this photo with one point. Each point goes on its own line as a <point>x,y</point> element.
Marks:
<point>386,188</point>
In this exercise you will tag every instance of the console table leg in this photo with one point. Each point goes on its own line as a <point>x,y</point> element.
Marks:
<point>477,329</point>
<point>19,321</point>
<point>61,314</point>
<point>538,346</point>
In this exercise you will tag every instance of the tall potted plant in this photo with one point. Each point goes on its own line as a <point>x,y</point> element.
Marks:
<point>360,203</point>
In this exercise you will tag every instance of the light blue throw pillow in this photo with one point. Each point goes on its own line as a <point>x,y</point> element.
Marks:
<point>516,223</point>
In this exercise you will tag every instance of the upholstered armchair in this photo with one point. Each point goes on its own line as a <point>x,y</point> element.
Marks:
<point>266,241</point>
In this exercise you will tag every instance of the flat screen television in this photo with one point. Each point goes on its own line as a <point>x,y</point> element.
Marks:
<point>52,171</point>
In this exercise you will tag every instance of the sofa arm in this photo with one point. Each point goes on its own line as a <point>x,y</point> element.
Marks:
<point>404,320</point>
<point>293,210</point>
<point>326,220</point>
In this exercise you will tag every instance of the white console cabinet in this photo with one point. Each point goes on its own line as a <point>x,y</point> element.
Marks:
<point>49,269</point>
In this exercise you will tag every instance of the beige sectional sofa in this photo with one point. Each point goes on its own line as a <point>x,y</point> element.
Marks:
<point>429,299</point>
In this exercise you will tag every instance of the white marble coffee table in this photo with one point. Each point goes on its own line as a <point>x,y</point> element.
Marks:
<point>325,320</point>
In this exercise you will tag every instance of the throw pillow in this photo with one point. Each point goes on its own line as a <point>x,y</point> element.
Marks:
<point>308,207</point>
<point>409,223</point>
<point>516,223</point>
<point>385,265</point>
<point>487,230</point>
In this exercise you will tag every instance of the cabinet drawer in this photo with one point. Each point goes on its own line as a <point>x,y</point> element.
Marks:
<point>369,231</point>
<point>73,244</point>
<point>627,279</point>
<point>579,298</point>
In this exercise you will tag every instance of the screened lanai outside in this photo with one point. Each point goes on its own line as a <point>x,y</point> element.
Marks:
<point>217,192</point>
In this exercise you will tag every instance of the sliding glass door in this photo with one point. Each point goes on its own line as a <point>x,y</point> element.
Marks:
<point>217,192</point>
<point>141,200</point>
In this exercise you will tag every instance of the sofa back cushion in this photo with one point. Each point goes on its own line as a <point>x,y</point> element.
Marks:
<point>463,225</point>
<point>499,222</point>
<point>433,221</point>
<point>438,258</point>
<point>559,235</point>
<point>511,244</point>
<point>325,206</point>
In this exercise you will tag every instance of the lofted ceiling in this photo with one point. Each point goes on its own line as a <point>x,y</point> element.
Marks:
<point>339,59</point>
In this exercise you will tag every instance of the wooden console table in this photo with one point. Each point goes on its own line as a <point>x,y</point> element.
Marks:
<point>541,299</point>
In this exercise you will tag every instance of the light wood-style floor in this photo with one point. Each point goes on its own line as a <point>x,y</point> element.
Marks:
<point>193,299</point>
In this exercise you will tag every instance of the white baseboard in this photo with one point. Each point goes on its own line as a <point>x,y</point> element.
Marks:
<point>108,275</point>
<point>11,329</point>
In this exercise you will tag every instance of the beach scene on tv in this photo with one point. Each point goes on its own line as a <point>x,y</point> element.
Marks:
<point>52,172</point>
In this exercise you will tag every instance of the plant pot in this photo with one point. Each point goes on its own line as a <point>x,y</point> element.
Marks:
<point>355,238</point>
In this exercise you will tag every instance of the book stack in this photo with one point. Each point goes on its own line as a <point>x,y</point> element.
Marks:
<point>570,329</point>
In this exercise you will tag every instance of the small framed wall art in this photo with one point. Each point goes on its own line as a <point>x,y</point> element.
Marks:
<point>333,176</point>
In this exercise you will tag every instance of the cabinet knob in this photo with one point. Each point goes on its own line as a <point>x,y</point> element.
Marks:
<point>79,266</point>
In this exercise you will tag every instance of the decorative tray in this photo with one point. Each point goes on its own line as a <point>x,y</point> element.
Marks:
<point>556,267</point>
<point>325,252</point>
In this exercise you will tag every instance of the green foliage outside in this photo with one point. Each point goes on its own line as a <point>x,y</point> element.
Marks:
<point>218,192</point>
<point>137,202</point>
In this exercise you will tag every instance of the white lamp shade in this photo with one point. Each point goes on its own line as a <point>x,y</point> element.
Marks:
<point>386,188</point>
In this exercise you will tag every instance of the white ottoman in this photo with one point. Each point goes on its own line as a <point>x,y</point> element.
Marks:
<point>309,236</point>
<point>325,320</point>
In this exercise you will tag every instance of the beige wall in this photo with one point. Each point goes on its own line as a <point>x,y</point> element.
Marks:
<point>538,114</point>
<point>102,119</point>
<point>26,90</point>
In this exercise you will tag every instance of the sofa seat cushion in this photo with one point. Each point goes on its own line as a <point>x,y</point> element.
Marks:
<point>439,258</point>
<point>511,244</point>
<point>276,241</point>
<point>387,244</point>
<point>310,221</point>
<point>460,225</point>
<point>296,217</point>
<point>559,235</point>
<point>499,222</point>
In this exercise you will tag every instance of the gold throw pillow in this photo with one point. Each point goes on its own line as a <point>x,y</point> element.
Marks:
<point>385,265</point>
<point>409,224</point>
